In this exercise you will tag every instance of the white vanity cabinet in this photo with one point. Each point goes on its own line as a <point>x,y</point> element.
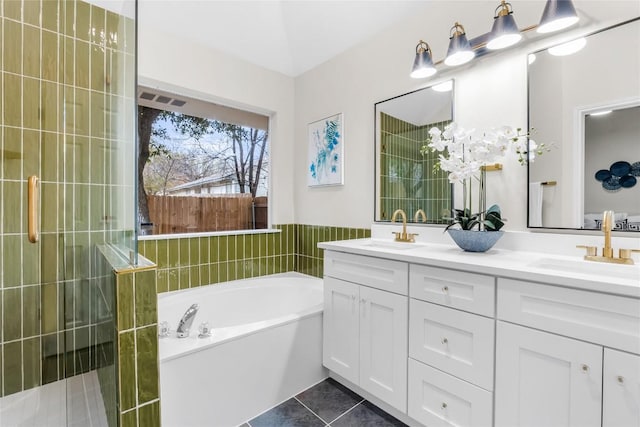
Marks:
<point>365,328</point>
<point>451,347</point>
<point>556,366</point>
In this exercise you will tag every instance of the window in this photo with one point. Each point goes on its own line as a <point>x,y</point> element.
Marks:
<point>202,167</point>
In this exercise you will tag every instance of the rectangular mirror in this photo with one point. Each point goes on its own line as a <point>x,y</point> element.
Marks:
<point>587,104</point>
<point>405,179</point>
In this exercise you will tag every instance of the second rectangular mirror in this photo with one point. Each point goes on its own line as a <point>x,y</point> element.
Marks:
<point>405,179</point>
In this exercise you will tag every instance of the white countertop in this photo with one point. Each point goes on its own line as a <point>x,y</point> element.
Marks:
<point>562,270</point>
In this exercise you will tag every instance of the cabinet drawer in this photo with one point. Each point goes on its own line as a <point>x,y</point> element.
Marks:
<point>610,320</point>
<point>456,342</point>
<point>465,291</point>
<point>378,273</point>
<point>439,399</point>
<point>621,389</point>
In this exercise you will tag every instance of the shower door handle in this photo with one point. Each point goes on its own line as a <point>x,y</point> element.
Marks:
<point>33,208</point>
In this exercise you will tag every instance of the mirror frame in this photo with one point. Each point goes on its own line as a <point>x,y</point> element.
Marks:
<point>578,126</point>
<point>376,166</point>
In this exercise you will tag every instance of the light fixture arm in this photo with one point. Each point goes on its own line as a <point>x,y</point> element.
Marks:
<point>422,46</point>
<point>505,9</point>
<point>456,30</point>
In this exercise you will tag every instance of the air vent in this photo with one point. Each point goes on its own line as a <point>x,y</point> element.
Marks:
<point>163,99</point>
<point>178,103</point>
<point>147,96</point>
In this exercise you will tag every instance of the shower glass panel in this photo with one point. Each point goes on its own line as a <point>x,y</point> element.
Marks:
<point>67,141</point>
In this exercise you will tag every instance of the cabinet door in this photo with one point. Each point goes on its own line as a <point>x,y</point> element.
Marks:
<point>383,346</point>
<point>546,380</point>
<point>621,389</point>
<point>340,328</point>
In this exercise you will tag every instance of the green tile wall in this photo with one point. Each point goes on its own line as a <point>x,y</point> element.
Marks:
<point>407,178</point>
<point>67,116</point>
<point>138,365</point>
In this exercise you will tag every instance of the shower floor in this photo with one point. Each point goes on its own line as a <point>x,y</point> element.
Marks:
<point>75,402</point>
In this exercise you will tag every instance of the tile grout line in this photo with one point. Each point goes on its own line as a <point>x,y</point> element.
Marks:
<point>308,409</point>
<point>347,411</point>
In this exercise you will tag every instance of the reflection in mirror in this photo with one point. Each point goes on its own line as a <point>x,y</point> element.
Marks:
<point>594,162</point>
<point>405,179</point>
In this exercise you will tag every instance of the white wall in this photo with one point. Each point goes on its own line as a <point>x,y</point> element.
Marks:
<point>489,92</point>
<point>184,68</point>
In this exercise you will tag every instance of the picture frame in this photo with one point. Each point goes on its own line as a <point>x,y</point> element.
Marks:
<point>325,165</point>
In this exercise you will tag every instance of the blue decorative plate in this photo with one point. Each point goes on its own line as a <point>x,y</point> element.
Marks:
<point>635,169</point>
<point>612,184</point>
<point>628,181</point>
<point>603,174</point>
<point>620,168</point>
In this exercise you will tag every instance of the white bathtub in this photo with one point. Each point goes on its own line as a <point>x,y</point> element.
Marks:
<point>266,346</point>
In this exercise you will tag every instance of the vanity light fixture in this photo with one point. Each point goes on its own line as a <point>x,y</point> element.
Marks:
<point>423,63</point>
<point>504,32</point>
<point>557,15</point>
<point>568,48</point>
<point>459,51</point>
<point>443,87</point>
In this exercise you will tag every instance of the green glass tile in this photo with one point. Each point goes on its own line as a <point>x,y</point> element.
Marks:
<point>174,252</point>
<point>183,255</point>
<point>97,158</point>
<point>127,365</point>
<point>97,68</point>
<point>49,308</point>
<point>31,160</point>
<point>83,20</point>
<point>12,214</point>
<point>184,280</point>
<point>13,9</point>
<point>11,314</point>
<point>81,205</point>
<point>223,243</point>
<point>30,264</point>
<point>239,252</point>
<point>147,364</point>
<point>150,251</point>
<point>145,298</point>
<point>204,274</point>
<point>251,247</point>
<point>231,270</point>
<point>231,248</point>
<point>129,419</point>
<point>98,111</point>
<point>81,160</point>
<point>68,18</point>
<point>213,273</point>
<point>222,272</point>
<point>31,363</point>
<point>50,267</point>
<point>31,12</point>
<point>262,244</point>
<point>162,281</point>
<point>97,209</point>
<point>12,91</point>
<point>125,301</point>
<point>12,372</point>
<point>194,252</point>
<point>162,260</point>
<point>174,279</point>
<point>194,273</point>
<point>277,243</point>
<point>204,250</point>
<point>49,106</point>
<point>113,29</point>
<point>149,415</point>
<point>12,154</point>
<point>213,249</point>
<point>51,14</point>
<point>30,312</point>
<point>68,52</point>
<point>31,58</point>
<point>81,61</point>
<point>12,47</point>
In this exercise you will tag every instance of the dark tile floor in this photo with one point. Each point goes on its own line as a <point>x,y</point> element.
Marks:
<point>326,404</point>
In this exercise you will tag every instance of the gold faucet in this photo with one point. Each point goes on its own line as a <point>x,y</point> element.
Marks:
<point>421,213</point>
<point>403,236</point>
<point>624,255</point>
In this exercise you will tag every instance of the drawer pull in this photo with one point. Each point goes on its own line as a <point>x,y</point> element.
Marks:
<point>444,405</point>
<point>445,341</point>
<point>585,368</point>
<point>445,289</point>
<point>620,379</point>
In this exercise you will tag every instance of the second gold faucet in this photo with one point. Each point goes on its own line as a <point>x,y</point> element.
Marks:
<point>404,236</point>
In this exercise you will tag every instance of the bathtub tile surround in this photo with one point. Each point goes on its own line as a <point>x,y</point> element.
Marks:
<point>327,403</point>
<point>138,347</point>
<point>190,262</point>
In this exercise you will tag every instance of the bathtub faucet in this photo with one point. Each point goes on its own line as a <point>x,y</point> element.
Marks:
<point>187,319</point>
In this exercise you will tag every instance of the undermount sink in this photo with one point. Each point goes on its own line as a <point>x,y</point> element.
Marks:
<point>392,244</point>
<point>621,271</point>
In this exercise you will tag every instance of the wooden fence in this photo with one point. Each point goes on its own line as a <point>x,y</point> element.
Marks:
<point>191,214</point>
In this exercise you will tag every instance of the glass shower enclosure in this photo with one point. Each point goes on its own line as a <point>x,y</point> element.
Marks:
<point>67,168</point>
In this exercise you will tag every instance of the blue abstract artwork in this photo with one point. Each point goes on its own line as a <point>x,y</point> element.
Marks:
<point>325,152</point>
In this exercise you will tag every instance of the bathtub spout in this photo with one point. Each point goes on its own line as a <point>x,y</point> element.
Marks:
<point>187,319</point>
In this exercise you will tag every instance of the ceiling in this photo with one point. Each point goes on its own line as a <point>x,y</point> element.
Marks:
<point>290,37</point>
